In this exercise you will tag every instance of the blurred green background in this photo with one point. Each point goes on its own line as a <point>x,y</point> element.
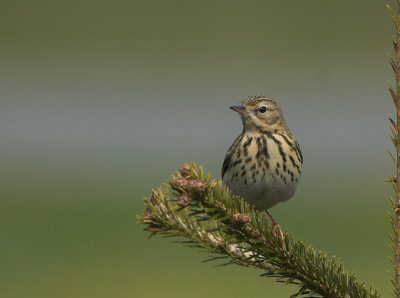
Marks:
<point>101,101</point>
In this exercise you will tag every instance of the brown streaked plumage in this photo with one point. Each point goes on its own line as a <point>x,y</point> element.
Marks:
<point>263,165</point>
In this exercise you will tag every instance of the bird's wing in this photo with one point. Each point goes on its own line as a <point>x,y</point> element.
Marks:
<point>228,156</point>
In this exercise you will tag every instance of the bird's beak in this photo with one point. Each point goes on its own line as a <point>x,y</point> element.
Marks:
<point>240,109</point>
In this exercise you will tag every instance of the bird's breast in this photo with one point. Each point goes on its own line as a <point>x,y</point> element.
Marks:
<point>264,168</point>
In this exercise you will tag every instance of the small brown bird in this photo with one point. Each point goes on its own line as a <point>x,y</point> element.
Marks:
<point>263,165</point>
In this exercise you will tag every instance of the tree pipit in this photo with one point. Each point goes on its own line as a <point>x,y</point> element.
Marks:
<point>263,165</point>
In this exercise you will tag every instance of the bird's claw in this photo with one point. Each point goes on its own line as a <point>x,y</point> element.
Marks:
<point>277,229</point>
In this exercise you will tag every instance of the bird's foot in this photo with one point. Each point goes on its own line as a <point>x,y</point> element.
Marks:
<point>277,229</point>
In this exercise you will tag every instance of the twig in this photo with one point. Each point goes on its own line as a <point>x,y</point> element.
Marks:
<point>394,125</point>
<point>204,211</point>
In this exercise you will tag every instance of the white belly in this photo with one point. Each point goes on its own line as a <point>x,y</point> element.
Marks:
<point>264,194</point>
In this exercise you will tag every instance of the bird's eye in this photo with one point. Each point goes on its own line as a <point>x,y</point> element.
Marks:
<point>262,109</point>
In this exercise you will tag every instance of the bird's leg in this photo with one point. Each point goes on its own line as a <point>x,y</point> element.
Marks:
<point>277,227</point>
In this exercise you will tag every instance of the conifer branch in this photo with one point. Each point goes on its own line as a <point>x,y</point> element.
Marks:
<point>395,138</point>
<point>209,216</point>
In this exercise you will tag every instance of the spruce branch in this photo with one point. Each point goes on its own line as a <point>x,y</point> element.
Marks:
<point>394,217</point>
<point>195,207</point>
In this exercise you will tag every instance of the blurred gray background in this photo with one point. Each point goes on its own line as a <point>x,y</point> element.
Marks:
<point>101,101</point>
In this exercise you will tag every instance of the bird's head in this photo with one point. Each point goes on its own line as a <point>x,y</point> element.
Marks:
<point>260,113</point>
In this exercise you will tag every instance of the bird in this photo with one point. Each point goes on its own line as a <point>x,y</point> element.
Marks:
<point>264,163</point>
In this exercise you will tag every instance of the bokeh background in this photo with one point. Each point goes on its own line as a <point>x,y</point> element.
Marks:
<point>101,101</point>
